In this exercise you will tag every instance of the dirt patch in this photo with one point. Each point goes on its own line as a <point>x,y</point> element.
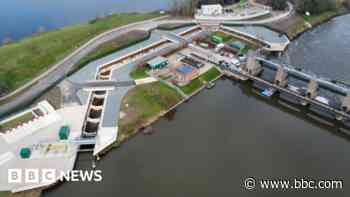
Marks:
<point>291,26</point>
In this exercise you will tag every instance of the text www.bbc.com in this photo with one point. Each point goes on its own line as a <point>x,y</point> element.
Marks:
<point>298,184</point>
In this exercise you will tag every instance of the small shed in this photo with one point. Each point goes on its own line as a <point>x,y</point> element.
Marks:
<point>64,132</point>
<point>158,62</point>
<point>25,153</point>
<point>237,45</point>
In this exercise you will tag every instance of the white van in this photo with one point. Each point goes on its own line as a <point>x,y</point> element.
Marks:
<point>235,62</point>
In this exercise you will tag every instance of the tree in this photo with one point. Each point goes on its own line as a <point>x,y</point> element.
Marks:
<point>184,7</point>
<point>7,40</point>
<point>347,3</point>
<point>278,4</point>
<point>315,6</point>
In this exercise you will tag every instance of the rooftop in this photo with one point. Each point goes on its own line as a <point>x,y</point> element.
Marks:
<point>156,61</point>
<point>184,69</point>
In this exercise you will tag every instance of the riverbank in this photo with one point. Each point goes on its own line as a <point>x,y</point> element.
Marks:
<point>296,25</point>
<point>146,104</point>
<point>28,58</point>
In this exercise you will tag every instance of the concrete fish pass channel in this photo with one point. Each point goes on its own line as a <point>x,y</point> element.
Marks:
<point>101,119</point>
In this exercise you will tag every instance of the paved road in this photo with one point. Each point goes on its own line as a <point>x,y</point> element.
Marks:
<point>59,71</point>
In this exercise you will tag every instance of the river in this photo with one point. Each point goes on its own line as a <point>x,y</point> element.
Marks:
<point>224,135</point>
<point>22,18</point>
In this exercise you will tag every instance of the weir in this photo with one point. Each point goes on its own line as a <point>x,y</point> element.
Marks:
<point>306,96</point>
<point>337,88</point>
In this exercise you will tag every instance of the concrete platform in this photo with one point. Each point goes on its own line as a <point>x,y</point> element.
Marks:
<point>63,160</point>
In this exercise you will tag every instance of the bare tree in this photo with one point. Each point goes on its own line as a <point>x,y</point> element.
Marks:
<point>6,40</point>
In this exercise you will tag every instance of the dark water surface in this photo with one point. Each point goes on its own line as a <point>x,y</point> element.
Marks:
<point>212,144</point>
<point>324,50</point>
<point>20,18</point>
<point>222,136</point>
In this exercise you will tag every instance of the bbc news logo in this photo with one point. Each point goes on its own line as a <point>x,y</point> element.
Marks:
<point>43,176</point>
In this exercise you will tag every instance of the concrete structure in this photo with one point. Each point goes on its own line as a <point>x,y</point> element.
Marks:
<point>235,12</point>
<point>252,66</point>
<point>158,62</point>
<point>346,104</point>
<point>215,9</point>
<point>237,46</point>
<point>270,40</point>
<point>281,77</point>
<point>47,151</point>
<point>312,89</point>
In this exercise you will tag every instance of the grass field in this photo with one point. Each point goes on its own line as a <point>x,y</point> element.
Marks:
<point>192,86</point>
<point>123,41</point>
<point>139,73</point>
<point>143,103</point>
<point>22,61</point>
<point>296,24</point>
<point>210,75</point>
<point>4,194</point>
<point>197,83</point>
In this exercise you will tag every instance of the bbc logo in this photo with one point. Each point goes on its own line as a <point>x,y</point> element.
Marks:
<point>47,176</point>
<point>31,176</point>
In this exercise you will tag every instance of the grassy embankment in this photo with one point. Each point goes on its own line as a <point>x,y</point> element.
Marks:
<point>197,83</point>
<point>24,60</point>
<point>19,120</point>
<point>144,104</point>
<point>139,72</point>
<point>4,194</point>
<point>121,42</point>
<point>297,24</point>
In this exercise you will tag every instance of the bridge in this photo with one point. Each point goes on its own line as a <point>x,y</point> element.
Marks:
<point>174,38</point>
<point>307,96</point>
<point>310,96</point>
<point>83,141</point>
<point>101,85</point>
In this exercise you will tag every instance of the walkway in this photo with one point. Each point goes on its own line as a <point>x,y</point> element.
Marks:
<point>26,94</point>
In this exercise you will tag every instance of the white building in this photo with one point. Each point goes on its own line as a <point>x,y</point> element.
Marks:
<point>215,9</point>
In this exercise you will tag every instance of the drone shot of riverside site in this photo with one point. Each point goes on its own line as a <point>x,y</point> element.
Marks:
<point>175,98</point>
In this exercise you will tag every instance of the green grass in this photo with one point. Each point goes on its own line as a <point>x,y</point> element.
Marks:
<point>197,83</point>
<point>315,19</point>
<point>4,194</point>
<point>145,102</point>
<point>192,86</point>
<point>139,73</point>
<point>244,50</point>
<point>13,123</point>
<point>210,75</point>
<point>121,42</point>
<point>22,61</point>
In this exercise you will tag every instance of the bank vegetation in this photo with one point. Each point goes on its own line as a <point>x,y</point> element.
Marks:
<point>25,59</point>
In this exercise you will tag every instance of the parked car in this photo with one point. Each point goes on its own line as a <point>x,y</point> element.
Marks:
<point>235,61</point>
<point>242,57</point>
